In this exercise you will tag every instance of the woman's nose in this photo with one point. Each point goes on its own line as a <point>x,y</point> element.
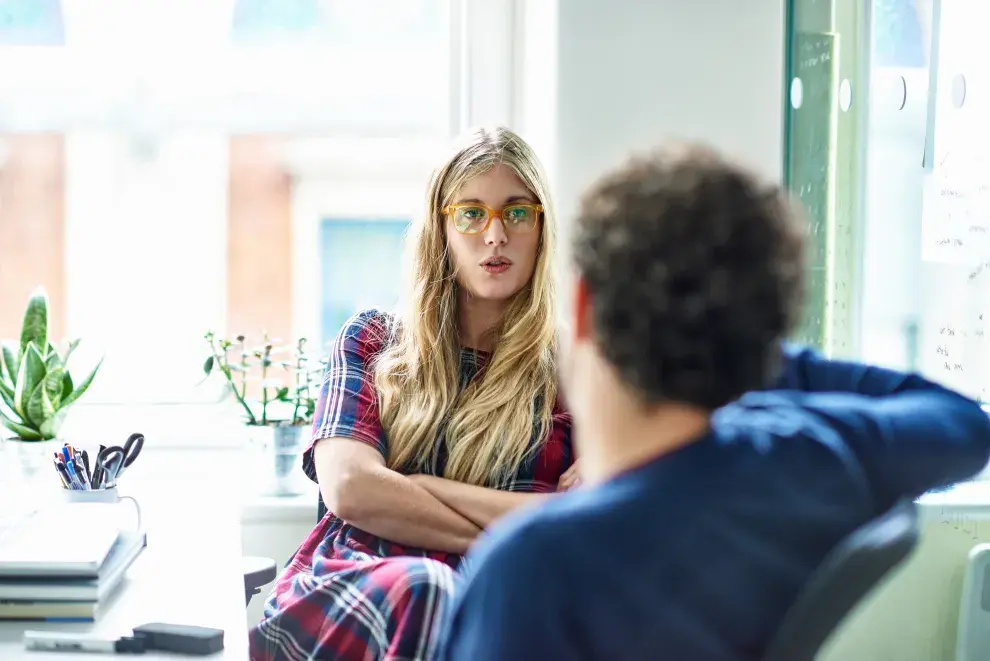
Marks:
<point>495,234</point>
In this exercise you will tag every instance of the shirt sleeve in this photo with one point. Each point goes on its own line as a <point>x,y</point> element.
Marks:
<point>910,434</point>
<point>509,606</point>
<point>347,406</point>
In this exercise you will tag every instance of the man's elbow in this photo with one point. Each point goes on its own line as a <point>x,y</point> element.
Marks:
<point>976,430</point>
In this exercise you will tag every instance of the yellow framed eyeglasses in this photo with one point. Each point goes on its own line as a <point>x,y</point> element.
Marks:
<point>475,218</point>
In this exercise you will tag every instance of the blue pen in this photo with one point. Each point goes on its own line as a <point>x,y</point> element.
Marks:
<point>74,476</point>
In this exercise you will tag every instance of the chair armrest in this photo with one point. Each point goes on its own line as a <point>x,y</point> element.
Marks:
<point>258,571</point>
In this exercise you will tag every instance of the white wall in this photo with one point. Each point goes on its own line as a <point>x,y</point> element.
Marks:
<point>642,71</point>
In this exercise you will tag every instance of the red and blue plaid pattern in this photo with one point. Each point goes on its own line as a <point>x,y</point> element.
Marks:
<point>349,595</point>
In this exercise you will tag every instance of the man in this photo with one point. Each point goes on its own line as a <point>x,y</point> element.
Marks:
<point>719,465</point>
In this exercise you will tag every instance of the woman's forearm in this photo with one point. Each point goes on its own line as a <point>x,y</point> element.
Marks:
<point>480,505</point>
<point>389,505</point>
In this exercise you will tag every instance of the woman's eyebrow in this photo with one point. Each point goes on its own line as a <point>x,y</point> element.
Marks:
<point>520,198</point>
<point>509,200</point>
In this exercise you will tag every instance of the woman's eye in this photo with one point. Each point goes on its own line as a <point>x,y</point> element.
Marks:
<point>473,213</point>
<point>517,214</point>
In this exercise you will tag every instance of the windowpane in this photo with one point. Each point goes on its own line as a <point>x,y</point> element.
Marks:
<point>899,39</point>
<point>31,23</point>
<point>361,268</point>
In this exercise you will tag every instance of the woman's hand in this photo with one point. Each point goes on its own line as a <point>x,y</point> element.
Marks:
<point>359,489</point>
<point>570,479</point>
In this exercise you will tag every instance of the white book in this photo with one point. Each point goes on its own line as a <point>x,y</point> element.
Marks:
<point>69,540</point>
<point>53,589</point>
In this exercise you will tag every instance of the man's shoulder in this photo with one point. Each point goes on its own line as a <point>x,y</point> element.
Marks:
<point>539,531</point>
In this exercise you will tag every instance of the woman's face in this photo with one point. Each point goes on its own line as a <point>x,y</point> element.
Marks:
<point>496,261</point>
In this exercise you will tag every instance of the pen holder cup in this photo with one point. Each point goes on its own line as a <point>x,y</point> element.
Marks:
<point>102,496</point>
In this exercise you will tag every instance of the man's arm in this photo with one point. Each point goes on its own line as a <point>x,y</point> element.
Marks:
<point>480,505</point>
<point>807,370</point>
<point>911,434</point>
<point>358,488</point>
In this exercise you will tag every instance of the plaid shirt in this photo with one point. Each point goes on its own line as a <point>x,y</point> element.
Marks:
<point>347,594</point>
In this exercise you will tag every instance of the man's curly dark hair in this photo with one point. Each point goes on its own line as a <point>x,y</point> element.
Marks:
<point>694,270</point>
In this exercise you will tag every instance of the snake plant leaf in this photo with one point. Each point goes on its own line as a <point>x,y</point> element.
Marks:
<point>50,427</point>
<point>68,352</point>
<point>82,387</point>
<point>23,432</point>
<point>67,385</point>
<point>7,394</point>
<point>7,405</point>
<point>39,405</point>
<point>34,328</point>
<point>53,361</point>
<point>53,385</point>
<point>10,362</point>
<point>30,375</point>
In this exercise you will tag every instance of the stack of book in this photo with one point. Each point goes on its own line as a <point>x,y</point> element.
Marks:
<point>64,563</point>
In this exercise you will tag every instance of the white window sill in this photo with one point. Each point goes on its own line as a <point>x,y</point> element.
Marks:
<point>969,500</point>
<point>274,509</point>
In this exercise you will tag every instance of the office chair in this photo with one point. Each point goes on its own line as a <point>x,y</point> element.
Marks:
<point>845,577</point>
<point>258,572</point>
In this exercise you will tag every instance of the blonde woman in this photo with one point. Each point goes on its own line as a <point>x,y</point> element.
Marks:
<point>434,423</point>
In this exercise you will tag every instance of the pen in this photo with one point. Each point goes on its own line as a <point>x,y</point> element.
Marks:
<point>60,470</point>
<point>52,641</point>
<point>74,477</point>
<point>82,468</point>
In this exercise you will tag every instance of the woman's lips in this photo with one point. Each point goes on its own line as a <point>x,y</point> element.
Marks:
<point>495,269</point>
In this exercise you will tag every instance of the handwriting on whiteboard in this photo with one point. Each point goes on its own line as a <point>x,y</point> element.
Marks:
<point>955,220</point>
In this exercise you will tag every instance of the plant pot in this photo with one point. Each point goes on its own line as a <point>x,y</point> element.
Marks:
<point>283,460</point>
<point>29,463</point>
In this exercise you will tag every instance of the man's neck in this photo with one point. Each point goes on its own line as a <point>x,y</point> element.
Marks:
<point>477,319</point>
<point>626,435</point>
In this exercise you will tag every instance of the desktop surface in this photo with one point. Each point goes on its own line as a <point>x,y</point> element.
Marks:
<point>190,573</point>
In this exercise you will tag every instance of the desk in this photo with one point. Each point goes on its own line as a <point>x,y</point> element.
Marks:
<point>162,584</point>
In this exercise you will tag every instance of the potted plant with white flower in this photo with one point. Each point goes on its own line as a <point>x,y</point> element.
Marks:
<point>276,388</point>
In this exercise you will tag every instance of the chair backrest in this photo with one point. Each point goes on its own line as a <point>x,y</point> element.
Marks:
<point>844,578</point>
<point>321,508</point>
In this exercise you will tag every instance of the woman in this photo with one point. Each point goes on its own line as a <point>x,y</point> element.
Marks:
<point>432,425</point>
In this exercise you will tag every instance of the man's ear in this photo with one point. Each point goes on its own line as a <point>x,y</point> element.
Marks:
<point>583,326</point>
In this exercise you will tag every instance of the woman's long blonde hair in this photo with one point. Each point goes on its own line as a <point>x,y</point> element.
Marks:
<point>488,426</point>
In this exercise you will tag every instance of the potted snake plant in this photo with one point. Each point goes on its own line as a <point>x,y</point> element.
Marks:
<point>37,388</point>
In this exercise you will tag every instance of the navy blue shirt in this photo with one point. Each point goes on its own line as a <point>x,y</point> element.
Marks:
<point>697,555</point>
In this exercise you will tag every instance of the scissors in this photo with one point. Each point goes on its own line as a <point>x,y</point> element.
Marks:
<point>112,461</point>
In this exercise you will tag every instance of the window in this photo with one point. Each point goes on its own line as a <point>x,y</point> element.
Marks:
<point>217,180</point>
<point>365,251</point>
<point>31,22</point>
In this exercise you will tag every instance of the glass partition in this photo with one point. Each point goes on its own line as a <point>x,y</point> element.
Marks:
<point>894,180</point>
<point>825,124</point>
